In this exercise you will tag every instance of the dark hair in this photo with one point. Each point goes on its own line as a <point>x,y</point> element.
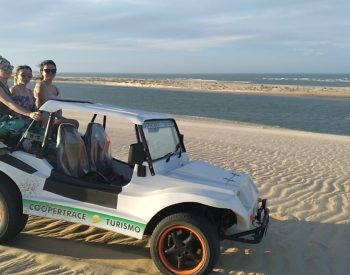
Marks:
<point>3,59</point>
<point>18,68</point>
<point>43,63</point>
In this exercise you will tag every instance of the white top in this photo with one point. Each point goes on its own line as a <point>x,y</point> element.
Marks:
<point>135,116</point>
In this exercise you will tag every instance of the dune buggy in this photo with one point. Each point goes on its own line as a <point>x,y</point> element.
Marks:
<point>186,206</point>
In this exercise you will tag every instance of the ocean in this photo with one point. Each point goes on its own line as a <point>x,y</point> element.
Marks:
<point>306,114</point>
<point>332,80</point>
<point>322,115</point>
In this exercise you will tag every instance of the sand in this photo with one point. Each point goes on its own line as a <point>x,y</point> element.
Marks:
<point>305,177</point>
<point>214,86</point>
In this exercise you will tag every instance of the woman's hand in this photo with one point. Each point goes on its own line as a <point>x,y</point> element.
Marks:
<point>35,115</point>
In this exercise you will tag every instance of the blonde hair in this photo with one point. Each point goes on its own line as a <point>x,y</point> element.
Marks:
<point>16,72</point>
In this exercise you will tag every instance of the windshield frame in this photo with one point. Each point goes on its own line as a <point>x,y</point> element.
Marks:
<point>164,156</point>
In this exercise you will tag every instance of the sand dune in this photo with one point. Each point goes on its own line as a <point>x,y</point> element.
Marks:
<point>305,176</point>
<point>214,86</point>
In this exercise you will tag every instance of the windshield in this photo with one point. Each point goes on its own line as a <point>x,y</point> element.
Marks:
<point>161,137</point>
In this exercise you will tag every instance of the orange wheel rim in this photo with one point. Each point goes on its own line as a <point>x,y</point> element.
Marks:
<point>182,250</point>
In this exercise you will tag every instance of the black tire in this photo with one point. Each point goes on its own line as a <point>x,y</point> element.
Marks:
<point>185,243</point>
<point>21,223</point>
<point>11,216</point>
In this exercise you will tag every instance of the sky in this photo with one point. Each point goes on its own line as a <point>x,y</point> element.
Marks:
<point>178,36</point>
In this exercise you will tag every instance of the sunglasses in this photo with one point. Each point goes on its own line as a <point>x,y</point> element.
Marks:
<point>7,67</point>
<point>53,71</point>
<point>27,75</point>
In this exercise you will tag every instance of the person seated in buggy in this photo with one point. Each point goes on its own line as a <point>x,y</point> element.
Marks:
<point>45,90</point>
<point>11,126</point>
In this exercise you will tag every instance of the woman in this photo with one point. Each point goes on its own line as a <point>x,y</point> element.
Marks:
<point>7,105</point>
<point>11,125</point>
<point>21,94</point>
<point>45,90</point>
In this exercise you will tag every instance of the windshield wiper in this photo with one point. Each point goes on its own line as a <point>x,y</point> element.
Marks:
<point>168,155</point>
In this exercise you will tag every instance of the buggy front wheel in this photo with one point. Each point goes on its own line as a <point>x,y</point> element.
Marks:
<point>185,243</point>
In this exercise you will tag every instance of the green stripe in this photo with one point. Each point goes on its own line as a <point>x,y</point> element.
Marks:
<point>90,216</point>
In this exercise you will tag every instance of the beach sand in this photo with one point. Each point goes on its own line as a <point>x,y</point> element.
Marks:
<point>214,86</point>
<point>304,176</point>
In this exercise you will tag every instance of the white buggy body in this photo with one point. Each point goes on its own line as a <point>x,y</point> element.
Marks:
<point>158,181</point>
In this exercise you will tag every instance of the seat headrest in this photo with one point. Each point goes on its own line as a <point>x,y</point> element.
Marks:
<point>71,152</point>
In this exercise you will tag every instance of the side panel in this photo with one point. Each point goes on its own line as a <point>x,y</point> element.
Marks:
<point>88,217</point>
<point>97,193</point>
<point>31,174</point>
<point>26,171</point>
<point>166,190</point>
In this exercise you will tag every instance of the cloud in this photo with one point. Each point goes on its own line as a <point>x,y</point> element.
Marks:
<point>342,44</point>
<point>138,43</point>
<point>187,43</point>
<point>251,31</point>
<point>310,52</point>
<point>308,46</point>
<point>304,43</point>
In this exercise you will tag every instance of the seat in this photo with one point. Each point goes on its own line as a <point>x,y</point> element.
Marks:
<point>98,147</point>
<point>72,158</point>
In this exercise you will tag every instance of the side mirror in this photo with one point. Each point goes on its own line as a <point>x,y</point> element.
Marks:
<point>141,171</point>
<point>136,154</point>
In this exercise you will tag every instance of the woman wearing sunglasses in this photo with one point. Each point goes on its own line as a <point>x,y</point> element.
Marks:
<point>45,90</point>
<point>10,127</point>
<point>21,94</point>
<point>7,105</point>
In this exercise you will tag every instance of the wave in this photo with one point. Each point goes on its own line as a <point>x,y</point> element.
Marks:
<point>306,79</point>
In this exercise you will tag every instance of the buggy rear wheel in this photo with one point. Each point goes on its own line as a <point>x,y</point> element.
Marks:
<point>185,243</point>
<point>21,222</point>
<point>12,220</point>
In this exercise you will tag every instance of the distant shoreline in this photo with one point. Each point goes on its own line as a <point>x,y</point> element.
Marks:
<point>215,86</point>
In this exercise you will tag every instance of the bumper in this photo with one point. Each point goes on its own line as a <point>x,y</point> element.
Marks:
<point>255,235</point>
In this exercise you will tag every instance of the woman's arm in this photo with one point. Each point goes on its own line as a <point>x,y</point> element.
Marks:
<point>40,94</point>
<point>7,100</point>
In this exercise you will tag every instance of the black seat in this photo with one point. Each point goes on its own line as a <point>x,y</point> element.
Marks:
<point>98,147</point>
<point>72,158</point>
